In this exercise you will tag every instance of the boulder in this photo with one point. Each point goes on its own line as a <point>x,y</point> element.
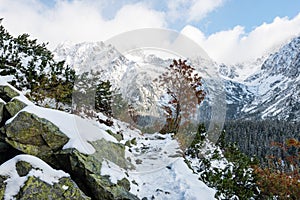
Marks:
<point>9,105</point>
<point>28,133</point>
<point>34,188</point>
<point>13,107</point>
<point>40,181</point>
<point>34,135</point>
<point>37,136</point>
<point>86,170</point>
<point>2,186</point>
<point>6,151</point>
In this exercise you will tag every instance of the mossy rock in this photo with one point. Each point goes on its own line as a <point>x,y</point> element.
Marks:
<point>2,186</point>
<point>131,142</point>
<point>114,152</point>
<point>86,170</point>
<point>14,106</point>
<point>106,190</point>
<point>33,135</point>
<point>6,151</point>
<point>124,183</point>
<point>34,188</point>
<point>7,93</point>
<point>2,104</point>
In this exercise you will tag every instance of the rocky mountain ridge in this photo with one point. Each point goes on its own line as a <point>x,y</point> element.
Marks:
<point>273,91</point>
<point>267,88</point>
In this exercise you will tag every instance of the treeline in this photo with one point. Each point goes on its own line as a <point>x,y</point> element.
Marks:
<point>257,138</point>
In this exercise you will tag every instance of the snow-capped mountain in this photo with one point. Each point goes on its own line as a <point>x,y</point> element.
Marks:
<point>97,56</point>
<point>277,85</point>
<point>264,88</point>
<point>132,73</point>
<point>271,92</point>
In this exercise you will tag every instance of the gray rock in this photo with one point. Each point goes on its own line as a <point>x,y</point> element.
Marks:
<point>7,93</point>
<point>36,188</point>
<point>88,167</point>
<point>33,135</point>
<point>14,106</point>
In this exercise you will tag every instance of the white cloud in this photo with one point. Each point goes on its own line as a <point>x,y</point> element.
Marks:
<point>200,9</point>
<point>75,21</point>
<point>191,10</point>
<point>80,21</point>
<point>235,45</point>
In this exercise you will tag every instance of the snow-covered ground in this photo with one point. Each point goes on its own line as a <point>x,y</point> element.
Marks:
<point>160,169</point>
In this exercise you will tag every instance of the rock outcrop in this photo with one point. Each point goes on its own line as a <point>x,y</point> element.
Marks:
<point>86,170</point>
<point>33,135</point>
<point>27,177</point>
<point>28,133</point>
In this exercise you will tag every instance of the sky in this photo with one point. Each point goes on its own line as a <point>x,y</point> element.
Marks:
<point>230,31</point>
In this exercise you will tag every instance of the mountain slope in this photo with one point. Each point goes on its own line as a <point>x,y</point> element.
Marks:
<point>277,86</point>
<point>265,88</point>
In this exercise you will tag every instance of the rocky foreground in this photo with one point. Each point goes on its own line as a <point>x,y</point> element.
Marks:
<point>49,154</point>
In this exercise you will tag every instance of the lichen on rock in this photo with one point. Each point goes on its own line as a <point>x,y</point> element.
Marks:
<point>87,168</point>
<point>33,135</point>
<point>23,168</point>
<point>14,106</point>
<point>34,188</point>
<point>7,93</point>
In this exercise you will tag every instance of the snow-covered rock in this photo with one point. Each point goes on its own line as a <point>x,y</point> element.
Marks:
<point>28,177</point>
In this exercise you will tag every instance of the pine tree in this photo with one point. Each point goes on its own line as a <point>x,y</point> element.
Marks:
<point>103,98</point>
<point>33,69</point>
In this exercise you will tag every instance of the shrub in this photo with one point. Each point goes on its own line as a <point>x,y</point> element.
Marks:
<point>223,167</point>
<point>281,178</point>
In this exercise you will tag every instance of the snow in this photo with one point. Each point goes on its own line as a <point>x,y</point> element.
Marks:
<point>21,97</point>
<point>176,181</point>
<point>80,131</point>
<point>161,173</point>
<point>114,171</point>
<point>40,170</point>
<point>64,187</point>
<point>156,151</point>
<point>5,79</point>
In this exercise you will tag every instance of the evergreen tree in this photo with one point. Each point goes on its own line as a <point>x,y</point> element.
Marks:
<point>233,177</point>
<point>103,99</point>
<point>92,94</point>
<point>34,70</point>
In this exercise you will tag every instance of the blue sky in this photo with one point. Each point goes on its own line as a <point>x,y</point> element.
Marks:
<point>247,28</point>
<point>247,13</point>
